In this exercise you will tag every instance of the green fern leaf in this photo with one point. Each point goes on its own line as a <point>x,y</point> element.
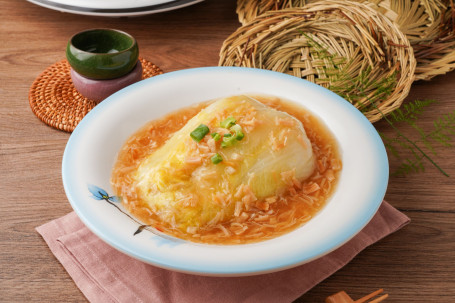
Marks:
<point>411,111</point>
<point>335,75</point>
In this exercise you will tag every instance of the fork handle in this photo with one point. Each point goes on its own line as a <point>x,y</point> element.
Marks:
<point>339,297</point>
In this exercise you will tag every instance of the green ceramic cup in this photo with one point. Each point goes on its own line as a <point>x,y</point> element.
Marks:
<point>102,53</point>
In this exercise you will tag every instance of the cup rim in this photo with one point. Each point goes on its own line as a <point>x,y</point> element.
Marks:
<point>133,44</point>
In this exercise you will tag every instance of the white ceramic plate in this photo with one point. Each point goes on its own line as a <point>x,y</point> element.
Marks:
<point>114,8</point>
<point>92,149</point>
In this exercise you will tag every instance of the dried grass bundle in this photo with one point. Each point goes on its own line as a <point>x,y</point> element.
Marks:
<point>344,46</point>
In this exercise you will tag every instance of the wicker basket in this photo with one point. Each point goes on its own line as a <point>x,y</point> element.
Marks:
<point>344,46</point>
<point>437,57</point>
<point>247,10</point>
<point>426,23</point>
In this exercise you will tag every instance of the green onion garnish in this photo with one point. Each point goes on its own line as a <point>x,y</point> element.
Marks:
<point>216,158</point>
<point>228,141</point>
<point>199,132</point>
<point>239,135</point>
<point>216,136</point>
<point>228,122</point>
<point>227,135</point>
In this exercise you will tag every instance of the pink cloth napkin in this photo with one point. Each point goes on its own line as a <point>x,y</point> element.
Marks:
<point>106,275</point>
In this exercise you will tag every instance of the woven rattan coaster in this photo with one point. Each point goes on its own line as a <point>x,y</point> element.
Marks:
<point>55,101</point>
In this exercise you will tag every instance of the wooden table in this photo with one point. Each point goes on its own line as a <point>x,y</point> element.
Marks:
<point>416,264</point>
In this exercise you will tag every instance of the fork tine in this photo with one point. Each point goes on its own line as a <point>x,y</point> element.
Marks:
<point>380,299</point>
<point>367,297</point>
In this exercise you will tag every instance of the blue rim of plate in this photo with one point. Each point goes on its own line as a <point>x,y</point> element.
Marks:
<point>113,12</point>
<point>329,244</point>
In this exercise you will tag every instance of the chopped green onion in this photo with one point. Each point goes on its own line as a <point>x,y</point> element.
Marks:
<point>199,132</point>
<point>228,141</point>
<point>216,158</point>
<point>216,136</point>
<point>228,122</point>
<point>227,135</point>
<point>239,135</point>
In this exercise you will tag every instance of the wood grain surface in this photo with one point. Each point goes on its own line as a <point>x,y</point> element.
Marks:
<point>416,264</point>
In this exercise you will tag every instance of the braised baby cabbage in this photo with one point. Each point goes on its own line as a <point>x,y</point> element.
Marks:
<point>231,155</point>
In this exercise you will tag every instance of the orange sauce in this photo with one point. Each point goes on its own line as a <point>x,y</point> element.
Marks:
<point>289,212</point>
